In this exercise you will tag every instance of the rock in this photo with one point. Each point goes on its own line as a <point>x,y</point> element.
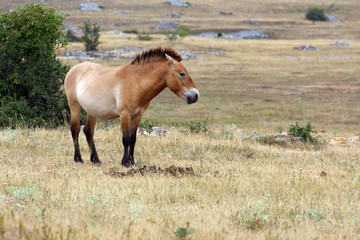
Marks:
<point>186,55</point>
<point>121,12</point>
<point>219,53</point>
<point>73,29</point>
<point>171,15</point>
<point>331,18</point>
<point>250,22</point>
<point>160,131</point>
<point>90,7</point>
<point>166,25</point>
<point>179,3</point>
<point>246,34</point>
<point>141,131</point>
<point>115,32</point>
<point>208,34</point>
<point>117,53</point>
<point>342,44</point>
<point>308,48</point>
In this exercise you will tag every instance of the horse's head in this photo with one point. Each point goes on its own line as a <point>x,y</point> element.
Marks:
<point>180,82</point>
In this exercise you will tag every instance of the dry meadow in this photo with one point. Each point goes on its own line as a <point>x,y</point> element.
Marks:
<point>240,187</point>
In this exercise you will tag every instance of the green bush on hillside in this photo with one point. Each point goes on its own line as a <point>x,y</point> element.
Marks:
<point>315,14</point>
<point>30,75</point>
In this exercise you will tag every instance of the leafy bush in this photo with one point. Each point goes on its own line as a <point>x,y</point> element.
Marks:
<point>91,35</point>
<point>304,133</point>
<point>30,75</point>
<point>315,14</point>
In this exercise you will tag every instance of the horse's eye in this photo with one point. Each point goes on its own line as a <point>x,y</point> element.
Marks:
<point>182,74</point>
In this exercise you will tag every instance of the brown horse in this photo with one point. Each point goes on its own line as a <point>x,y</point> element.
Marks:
<point>124,92</point>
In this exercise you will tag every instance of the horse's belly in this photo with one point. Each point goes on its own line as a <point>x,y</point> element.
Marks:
<point>97,103</point>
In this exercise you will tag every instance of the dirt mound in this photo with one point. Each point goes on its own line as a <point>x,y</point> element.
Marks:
<point>154,170</point>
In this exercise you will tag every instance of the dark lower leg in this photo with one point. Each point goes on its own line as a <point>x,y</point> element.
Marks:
<point>126,139</point>
<point>132,147</point>
<point>89,133</point>
<point>75,129</point>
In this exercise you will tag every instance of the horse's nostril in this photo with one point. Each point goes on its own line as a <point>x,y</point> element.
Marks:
<point>196,97</point>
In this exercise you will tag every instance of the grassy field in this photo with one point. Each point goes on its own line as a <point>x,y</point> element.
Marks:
<point>242,188</point>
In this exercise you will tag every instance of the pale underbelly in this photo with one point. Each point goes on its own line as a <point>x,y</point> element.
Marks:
<point>97,104</point>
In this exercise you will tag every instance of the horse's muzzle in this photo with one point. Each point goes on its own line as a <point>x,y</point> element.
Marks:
<point>191,96</point>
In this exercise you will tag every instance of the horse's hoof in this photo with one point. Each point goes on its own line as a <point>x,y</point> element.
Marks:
<point>78,160</point>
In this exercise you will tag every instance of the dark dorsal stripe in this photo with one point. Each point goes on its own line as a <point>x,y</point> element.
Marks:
<point>156,53</point>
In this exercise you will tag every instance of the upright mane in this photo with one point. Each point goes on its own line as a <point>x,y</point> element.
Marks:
<point>156,53</point>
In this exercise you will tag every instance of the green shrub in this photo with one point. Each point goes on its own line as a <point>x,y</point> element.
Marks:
<point>30,75</point>
<point>304,133</point>
<point>91,35</point>
<point>182,31</point>
<point>315,14</point>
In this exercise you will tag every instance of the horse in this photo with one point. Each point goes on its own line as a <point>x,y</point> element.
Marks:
<point>123,92</point>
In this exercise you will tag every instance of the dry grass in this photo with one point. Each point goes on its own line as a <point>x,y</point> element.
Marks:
<point>242,189</point>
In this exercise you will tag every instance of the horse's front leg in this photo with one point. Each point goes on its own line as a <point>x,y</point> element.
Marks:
<point>129,127</point>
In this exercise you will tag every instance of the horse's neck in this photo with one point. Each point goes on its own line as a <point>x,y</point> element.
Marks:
<point>152,79</point>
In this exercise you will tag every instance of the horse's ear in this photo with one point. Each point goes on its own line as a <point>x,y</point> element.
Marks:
<point>173,61</point>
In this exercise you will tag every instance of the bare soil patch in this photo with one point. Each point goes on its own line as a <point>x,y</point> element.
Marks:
<point>154,170</point>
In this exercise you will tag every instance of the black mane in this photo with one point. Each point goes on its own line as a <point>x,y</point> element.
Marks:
<point>156,53</point>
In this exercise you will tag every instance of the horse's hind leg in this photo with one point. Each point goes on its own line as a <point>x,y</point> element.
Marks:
<point>89,133</point>
<point>75,129</point>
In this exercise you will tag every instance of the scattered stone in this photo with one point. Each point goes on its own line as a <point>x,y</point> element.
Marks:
<point>154,170</point>
<point>337,57</point>
<point>331,18</point>
<point>141,131</point>
<point>115,32</point>
<point>219,53</point>
<point>166,25</point>
<point>271,12</point>
<point>250,22</point>
<point>246,34</point>
<point>171,15</point>
<point>225,13</point>
<point>186,55</point>
<point>179,3</point>
<point>73,29</point>
<point>308,48</point>
<point>208,35</point>
<point>121,12</point>
<point>342,44</point>
<point>90,7</point>
<point>117,53</point>
<point>160,131</point>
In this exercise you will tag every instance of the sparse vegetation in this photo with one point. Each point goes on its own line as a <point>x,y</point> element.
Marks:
<point>144,37</point>
<point>91,35</point>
